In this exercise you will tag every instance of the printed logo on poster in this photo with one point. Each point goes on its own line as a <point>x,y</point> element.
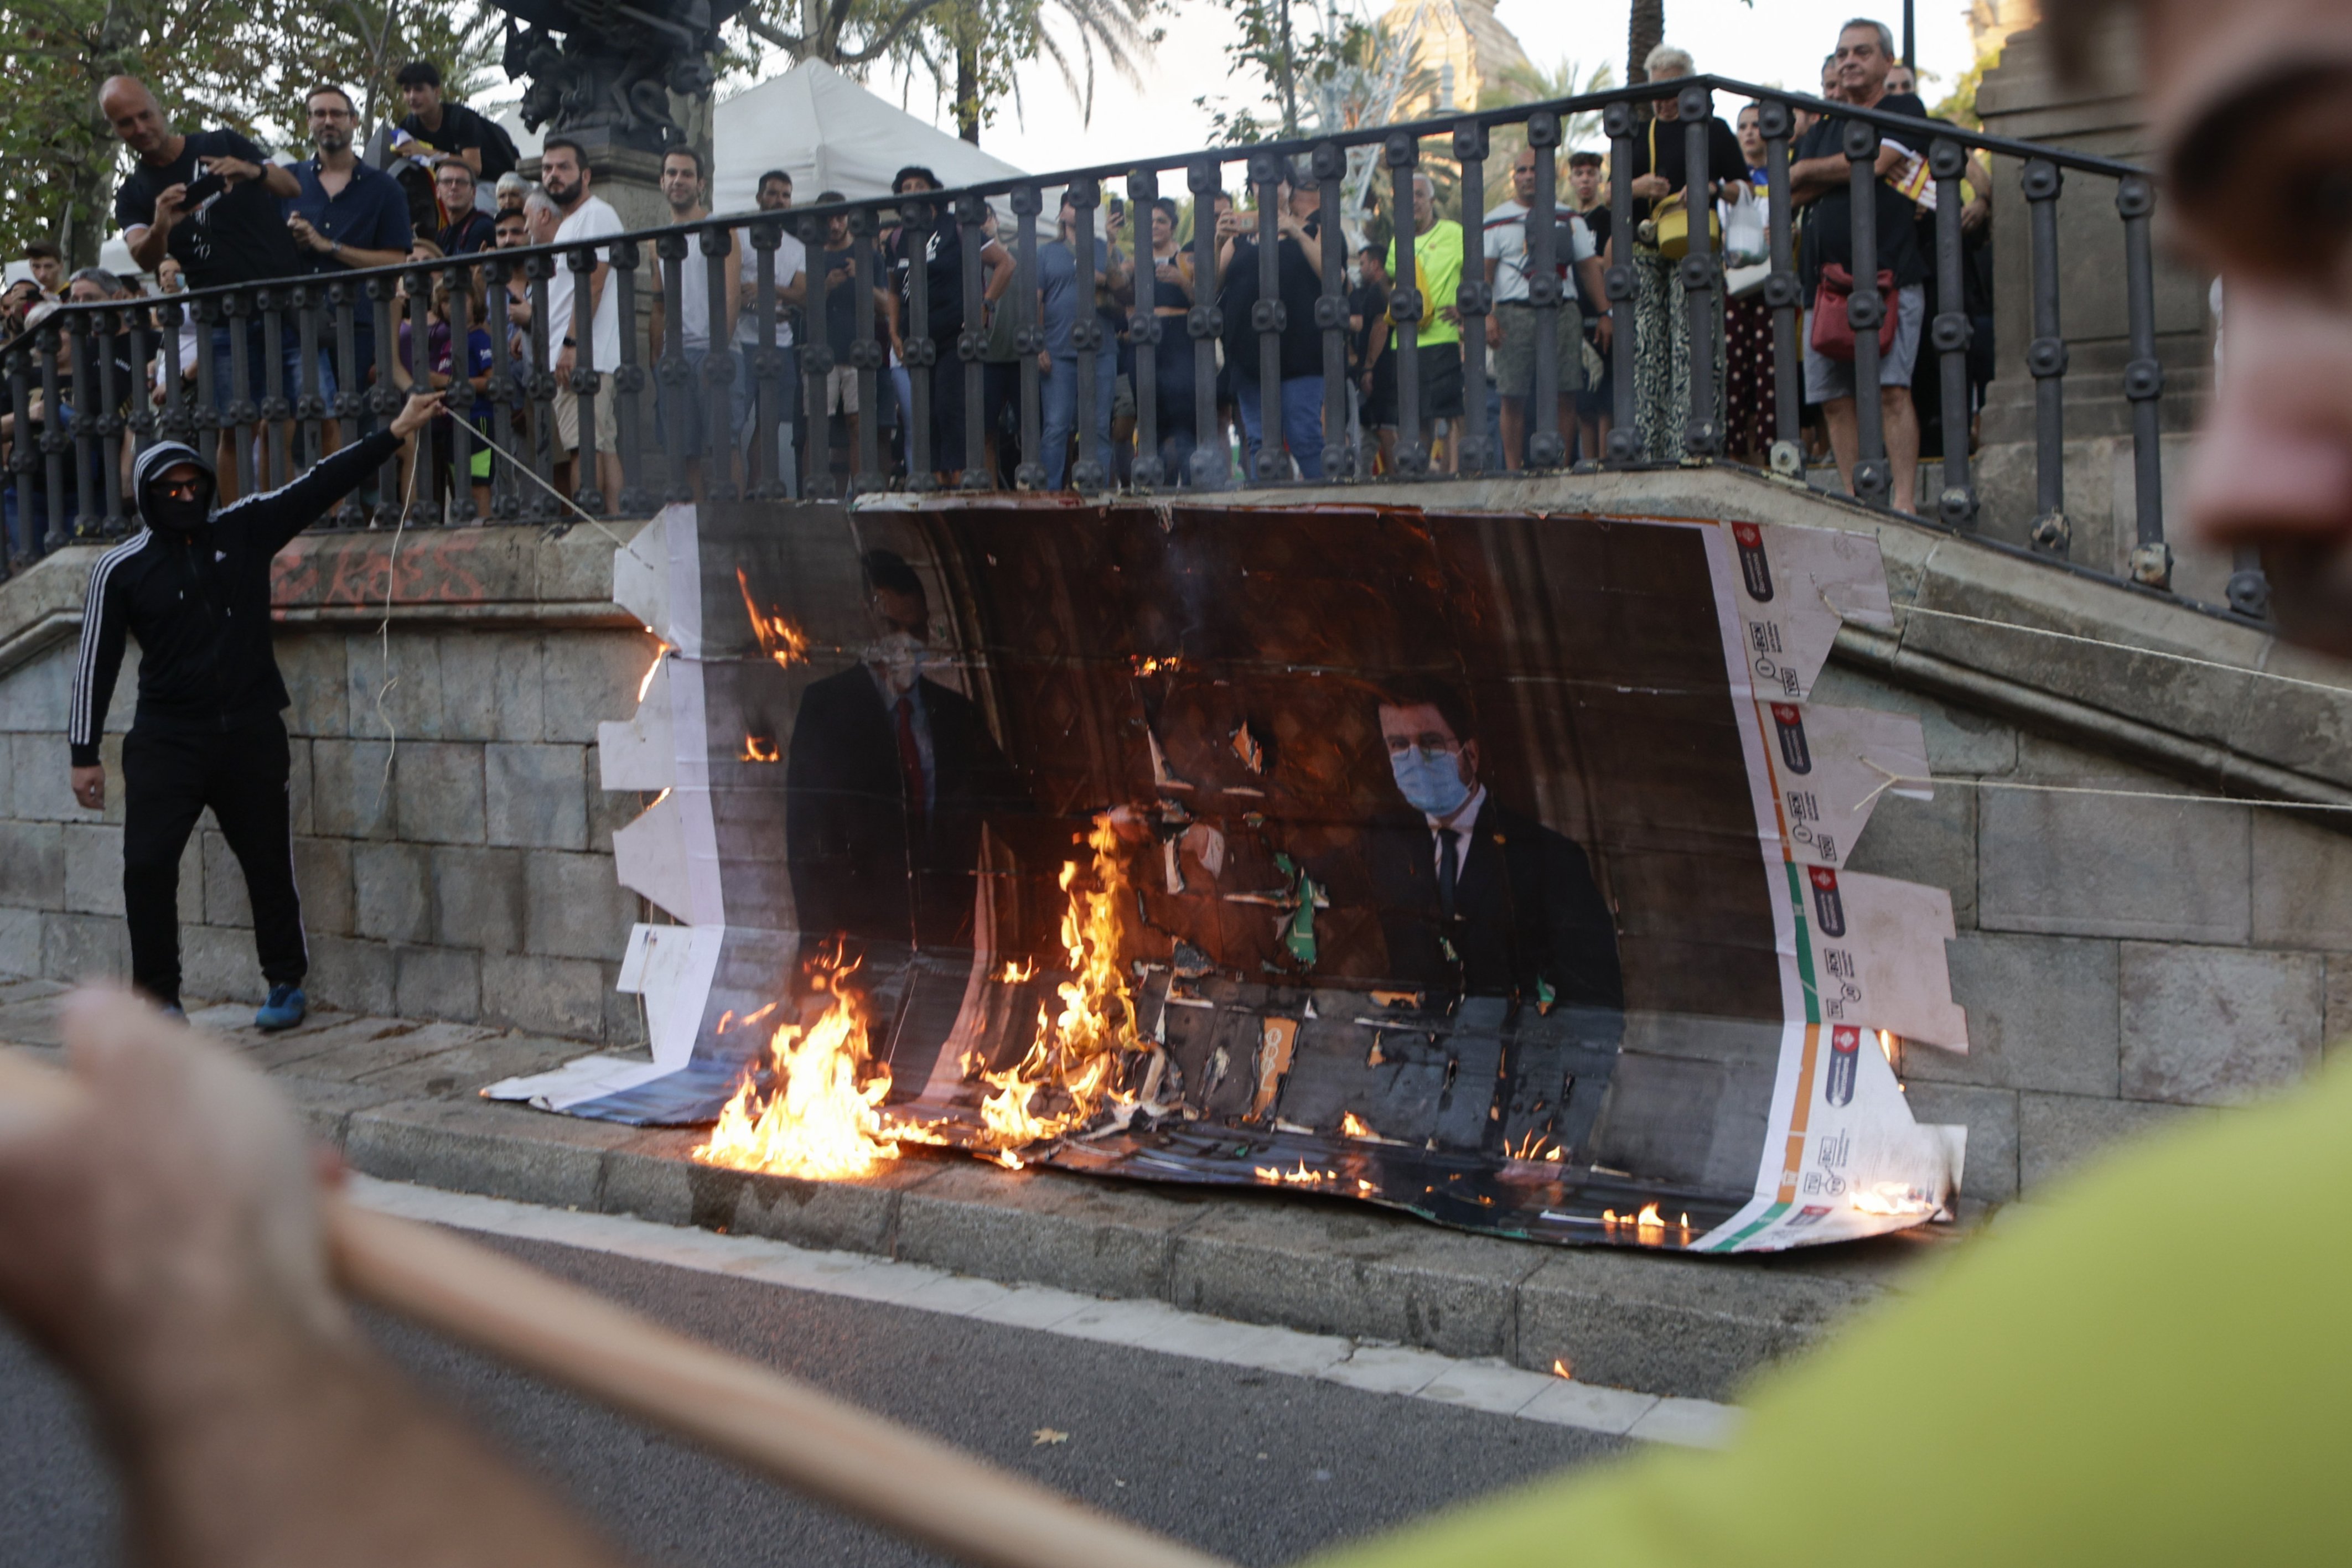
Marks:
<point>1755,571</point>
<point>1829,909</point>
<point>1845,1063</point>
<point>1788,720</point>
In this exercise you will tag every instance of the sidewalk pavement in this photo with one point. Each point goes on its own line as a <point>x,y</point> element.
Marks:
<point>398,1098</point>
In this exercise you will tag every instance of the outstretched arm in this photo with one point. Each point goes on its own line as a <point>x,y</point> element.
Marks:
<point>273,518</point>
<point>161,1240</point>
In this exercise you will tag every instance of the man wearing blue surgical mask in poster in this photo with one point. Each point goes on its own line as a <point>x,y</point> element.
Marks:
<point>1476,899</point>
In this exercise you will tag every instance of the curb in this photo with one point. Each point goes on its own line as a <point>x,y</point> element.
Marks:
<point>396,1099</point>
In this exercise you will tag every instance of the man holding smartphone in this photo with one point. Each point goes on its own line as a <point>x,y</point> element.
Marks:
<point>212,201</point>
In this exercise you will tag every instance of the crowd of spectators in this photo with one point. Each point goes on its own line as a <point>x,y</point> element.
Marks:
<point>207,207</point>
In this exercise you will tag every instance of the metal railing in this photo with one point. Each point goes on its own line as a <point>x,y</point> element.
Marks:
<point>70,471</point>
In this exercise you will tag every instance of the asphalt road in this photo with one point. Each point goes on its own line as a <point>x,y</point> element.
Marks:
<point>1256,1465</point>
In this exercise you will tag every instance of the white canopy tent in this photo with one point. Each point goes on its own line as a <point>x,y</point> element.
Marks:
<point>830,134</point>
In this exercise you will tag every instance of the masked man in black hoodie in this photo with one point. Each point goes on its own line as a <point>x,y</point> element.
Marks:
<point>193,588</point>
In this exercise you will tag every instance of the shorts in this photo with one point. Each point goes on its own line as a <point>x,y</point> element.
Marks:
<point>567,418</point>
<point>841,390</point>
<point>1441,380</point>
<point>1826,378</point>
<point>1514,362</point>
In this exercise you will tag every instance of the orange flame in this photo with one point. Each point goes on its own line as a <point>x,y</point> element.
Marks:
<point>820,1121</point>
<point>761,748</point>
<point>1074,1062</point>
<point>1150,664</point>
<point>1560,1368</point>
<point>1353,1126</point>
<point>1013,973</point>
<point>1302,1176</point>
<point>661,651</point>
<point>778,638</point>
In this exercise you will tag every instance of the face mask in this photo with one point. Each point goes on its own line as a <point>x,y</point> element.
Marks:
<point>173,512</point>
<point>1431,781</point>
<point>899,657</point>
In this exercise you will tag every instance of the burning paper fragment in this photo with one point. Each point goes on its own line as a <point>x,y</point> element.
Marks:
<point>780,638</point>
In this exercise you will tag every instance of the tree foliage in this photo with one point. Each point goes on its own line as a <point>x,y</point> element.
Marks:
<point>243,64</point>
<point>1294,51</point>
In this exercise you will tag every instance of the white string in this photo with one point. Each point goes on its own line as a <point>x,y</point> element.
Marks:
<point>532,475</point>
<point>1890,779</point>
<point>1914,608</point>
<point>383,627</point>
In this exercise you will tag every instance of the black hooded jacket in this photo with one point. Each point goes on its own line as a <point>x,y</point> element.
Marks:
<point>198,601</point>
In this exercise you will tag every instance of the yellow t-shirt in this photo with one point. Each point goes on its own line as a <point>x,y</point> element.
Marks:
<point>2153,1370</point>
<point>1437,276</point>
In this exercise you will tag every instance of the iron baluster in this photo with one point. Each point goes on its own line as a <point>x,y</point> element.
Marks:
<point>1091,472</point>
<point>670,371</point>
<point>817,364</point>
<point>1866,310</point>
<point>1782,295</point>
<point>239,308</point>
<point>55,441</point>
<point>717,390</point>
<point>276,408</point>
<point>1547,295</point>
<point>499,273</point>
<point>309,396</point>
<point>81,423</point>
<point>1948,333</point>
<point>112,398</point>
<point>1205,322</point>
<point>1624,428</point>
<point>343,303</point>
<point>1330,165</point>
<point>1702,435</point>
<point>1029,340</point>
<point>1473,302</point>
<point>1267,320</point>
<point>384,399</point>
<point>1143,329</point>
<point>1403,155</point>
<point>2151,558</point>
<point>2045,358</point>
<point>420,479</point>
<point>917,217</point>
<point>629,384</point>
<point>539,502</point>
<point>972,343</point>
<point>459,282</point>
<point>864,353</point>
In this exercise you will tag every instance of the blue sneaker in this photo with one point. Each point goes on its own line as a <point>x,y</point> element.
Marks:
<point>286,1007</point>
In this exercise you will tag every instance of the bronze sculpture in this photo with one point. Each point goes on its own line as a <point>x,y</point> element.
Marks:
<point>615,65</point>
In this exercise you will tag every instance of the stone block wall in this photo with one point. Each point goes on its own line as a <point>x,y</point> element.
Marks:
<point>2122,963</point>
<point>451,844</point>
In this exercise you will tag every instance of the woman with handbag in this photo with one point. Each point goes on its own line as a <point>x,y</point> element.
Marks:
<point>1661,238</point>
<point>1748,384</point>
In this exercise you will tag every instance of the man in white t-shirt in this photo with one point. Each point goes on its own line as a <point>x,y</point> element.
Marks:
<point>774,195</point>
<point>1511,328</point>
<point>564,175</point>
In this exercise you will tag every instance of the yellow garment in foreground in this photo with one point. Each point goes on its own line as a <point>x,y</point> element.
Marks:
<point>2154,1369</point>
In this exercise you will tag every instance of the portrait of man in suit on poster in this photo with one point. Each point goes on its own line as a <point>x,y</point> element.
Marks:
<point>891,777</point>
<point>1476,899</point>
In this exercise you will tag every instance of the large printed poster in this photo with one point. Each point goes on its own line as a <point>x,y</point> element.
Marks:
<point>1490,866</point>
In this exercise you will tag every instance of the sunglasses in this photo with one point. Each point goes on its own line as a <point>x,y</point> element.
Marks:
<point>181,489</point>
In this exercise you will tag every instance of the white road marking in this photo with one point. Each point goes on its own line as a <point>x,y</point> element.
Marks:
<point>1489,1385</point>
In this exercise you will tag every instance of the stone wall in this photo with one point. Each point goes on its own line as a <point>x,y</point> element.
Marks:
<point>451,847</point>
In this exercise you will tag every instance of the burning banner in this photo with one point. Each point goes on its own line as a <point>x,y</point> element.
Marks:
<point>1491,867</point>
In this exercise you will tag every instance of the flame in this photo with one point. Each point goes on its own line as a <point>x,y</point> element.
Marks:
<point>1013,973</point>
<point>1146,664</point>
<point>1353,1126</point>
<point>761,748</point>
<point>819,1122</point>
<point>1074,1062</point>
<point>1886,1045</point>
<point>1528,1148</point>
<point>1560,1369</point>
<point>661,651</point>
<point>1302,1176</point>
<point>1645,1224</point>
<point>778,638</point>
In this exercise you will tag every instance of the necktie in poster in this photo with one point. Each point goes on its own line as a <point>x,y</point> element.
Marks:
<point>1487,866</point>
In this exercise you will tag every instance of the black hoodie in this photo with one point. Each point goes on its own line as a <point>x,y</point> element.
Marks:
<point>198,601</point>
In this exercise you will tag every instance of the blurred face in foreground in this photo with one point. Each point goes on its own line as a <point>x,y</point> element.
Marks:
<point>2253,102</point>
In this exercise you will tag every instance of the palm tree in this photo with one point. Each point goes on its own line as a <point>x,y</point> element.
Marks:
<point>972,48</point>
<point>1645,29</point>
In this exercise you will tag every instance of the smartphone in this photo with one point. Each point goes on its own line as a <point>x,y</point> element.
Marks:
<point>1117,206</point>
<point>202,189</point>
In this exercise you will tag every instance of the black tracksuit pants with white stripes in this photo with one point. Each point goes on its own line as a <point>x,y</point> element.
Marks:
<point>169,778</point>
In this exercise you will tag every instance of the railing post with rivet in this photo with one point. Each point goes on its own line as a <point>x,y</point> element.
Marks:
<point>1703,432</point>
<point>239,308</point>
<point>383,398</point>
<point>628,373</point>
<point>498,274</point>
<point>112,398</point>
<point>1546,443</point>
<point>1205,323</point>
<point>1866,310</point>
<point>1029,339</point>
<point>1624,428</point>
<point>670,371</point>
<point>917,215</point>
<point>1783,295</point>
<point>82,426</point>
<point>2151,558</point>
<point>972,343</point>
<point>1330,167</point>
<point>1143,331</point>
<point>716,389</point>
<point>56,443</point>
<point>539,502</point>
<point>459,282</point>
<point>20,464</point>
<point>1947,334</point>
<point>817,363</point>
<point>864,354</point>
<point>1091,473</point>
<point>1473,300</point>
<point>1267,320</point>
<point>1406,306</point>
<point>276,408</point>
<point>342,300</point>
<point>2045,358</point>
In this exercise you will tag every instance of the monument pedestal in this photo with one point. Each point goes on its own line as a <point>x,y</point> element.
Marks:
<point>2023,98</point>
